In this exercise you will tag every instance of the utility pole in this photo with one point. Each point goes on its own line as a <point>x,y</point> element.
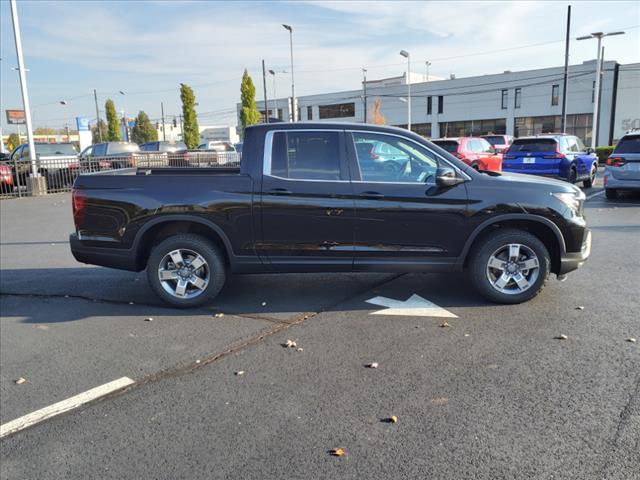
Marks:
<point>406,55</point>
<point>164,130</point>
<point>563,124</point>
<point>95,98</point>
<point>181,128</point>
<point>364,92</point>
<point>23,87</point>
<point>264,86</point>
<point>294,112</point>
<point>427,64</point>
<point>66,126</point>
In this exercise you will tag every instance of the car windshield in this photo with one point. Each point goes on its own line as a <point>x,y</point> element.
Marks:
<point>53,149</point>
<point>533,145</point>
<point>448,145</point>
<point>495,139</point>
<point>630,144</point>
<point>123,148</point>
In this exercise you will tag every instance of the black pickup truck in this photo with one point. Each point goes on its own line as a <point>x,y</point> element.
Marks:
<point>312,197</point>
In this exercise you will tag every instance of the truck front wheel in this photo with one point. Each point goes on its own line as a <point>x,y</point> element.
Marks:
<point>186,270</point>
<point>509,266</point>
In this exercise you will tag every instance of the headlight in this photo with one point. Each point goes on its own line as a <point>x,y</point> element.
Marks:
<point>573,200</point>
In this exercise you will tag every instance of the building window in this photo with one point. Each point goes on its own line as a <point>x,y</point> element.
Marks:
<point>422,129</point>
<point>299,115</point>
<point>341,110</point>
<point>505,99</point>
<point>473,128</point>
<point>309,113</point>
<point>429,105</point>
<point>440,104</point>
<point>555,94</point>
<point>280,113</point>
<point>593,92</point>
<point>577,124</point>
<point>518,99</point>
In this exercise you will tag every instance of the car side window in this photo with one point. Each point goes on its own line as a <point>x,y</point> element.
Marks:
<point>485,146</point>
<point>100,149</point>
<point>306,155</point>
<point>581,147</point>
<point>572,145</point>
<point>409,162</point>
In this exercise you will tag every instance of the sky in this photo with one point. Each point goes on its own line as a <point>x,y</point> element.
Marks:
<point>146,49</point>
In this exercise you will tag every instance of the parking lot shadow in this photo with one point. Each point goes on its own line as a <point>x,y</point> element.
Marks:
<point>277,297</point>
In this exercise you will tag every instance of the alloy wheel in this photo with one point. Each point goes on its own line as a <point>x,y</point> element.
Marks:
<point>184,273</point>
<point>513,269</point>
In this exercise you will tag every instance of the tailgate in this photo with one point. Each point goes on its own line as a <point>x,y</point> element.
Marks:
<point>536,163</point>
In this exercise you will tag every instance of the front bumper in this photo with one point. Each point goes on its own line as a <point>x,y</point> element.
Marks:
<point>122,259</point>
<point>574,260</point>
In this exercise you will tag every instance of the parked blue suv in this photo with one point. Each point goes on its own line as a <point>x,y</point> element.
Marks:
<point>558,155</point>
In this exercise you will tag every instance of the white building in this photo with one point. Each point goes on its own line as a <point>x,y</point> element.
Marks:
<point>515,103</point>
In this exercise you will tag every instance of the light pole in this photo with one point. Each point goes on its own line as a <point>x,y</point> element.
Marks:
<point>275,106</point>
<point>364,92</point>
<point>294,113</point>
<point>427,64</point>
<point>596,100</point>
<point>406,55</point>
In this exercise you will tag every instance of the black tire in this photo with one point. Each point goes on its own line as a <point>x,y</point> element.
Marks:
<point>611,193</point>
<point>490,244</point>
<point>588,183</point>
<point>215,266</point>
<point>573,175</point>
<point>476,167</point>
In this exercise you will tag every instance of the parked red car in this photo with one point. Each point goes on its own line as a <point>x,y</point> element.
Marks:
<point>474,151</point>
<point>6,179</point>
<point>500,142</point>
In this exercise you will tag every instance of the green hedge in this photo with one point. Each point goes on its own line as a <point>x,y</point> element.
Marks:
<point>604,152</point>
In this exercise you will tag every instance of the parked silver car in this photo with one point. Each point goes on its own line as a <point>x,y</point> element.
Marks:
<point>623,166</point>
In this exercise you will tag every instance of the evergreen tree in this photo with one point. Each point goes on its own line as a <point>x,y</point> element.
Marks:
<point>249,114</point>
<point>143,131</point>
<point>13,142</point>
<point>95,138</point>
<point>113,124</point>
<point>191,132</point>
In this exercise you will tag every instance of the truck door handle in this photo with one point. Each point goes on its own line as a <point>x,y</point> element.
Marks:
<point>279,191</point>
<point>372,195</point>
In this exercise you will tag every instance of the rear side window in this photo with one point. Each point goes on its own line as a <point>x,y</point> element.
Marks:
<point>306,155</point>
<point>533,145</point>
<point>629,144</point>
<point>495,139</point>
<point>448,145</point>
<point>123,148</point>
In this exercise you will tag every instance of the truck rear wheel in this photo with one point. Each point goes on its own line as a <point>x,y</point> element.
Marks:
<point>509,266</point>
<point>186,270</point>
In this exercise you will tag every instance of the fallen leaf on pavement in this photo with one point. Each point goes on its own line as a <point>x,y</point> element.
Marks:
<point>632,340</point>
<point>264,304</point>
<point>148,319</point>
<point>579,307</point>
<point>337,452</point>
<point>290,344</point>
<point>393,419</point>
<point>240,372</point>
<point>218,315</point>
<point>300,349</point>
<point>42,327</point>
<point>373,365</point>
<point>440,401</point>
<point>561,337</point>
<point>20,381</point>
<point>444,325</point>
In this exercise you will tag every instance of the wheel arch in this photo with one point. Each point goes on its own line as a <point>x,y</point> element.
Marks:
<point>157,230</point>
<point>544,229</point>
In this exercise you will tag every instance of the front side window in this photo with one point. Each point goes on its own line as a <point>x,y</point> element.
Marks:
<point>555,94</point>
<point>306,155</point>
<point>393,159</point>
<point>485,147</point>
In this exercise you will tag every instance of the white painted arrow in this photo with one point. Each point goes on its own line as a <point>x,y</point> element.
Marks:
<point>415,306</point>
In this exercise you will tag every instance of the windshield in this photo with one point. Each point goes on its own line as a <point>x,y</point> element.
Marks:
<point>495,139</point>
<point>53,149</point>
<point>448,145</point>
<point>630,144</point>
<point>123,147</point>
<point>533,145</point>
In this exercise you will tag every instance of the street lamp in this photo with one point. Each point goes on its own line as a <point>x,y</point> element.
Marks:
<point>427,64</point>
<point>596,99</point>
<point>275,106</point>
<point>406,55</point>
<point>293,87</point>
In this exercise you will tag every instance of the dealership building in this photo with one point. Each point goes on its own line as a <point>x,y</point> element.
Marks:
<point>513,103</point>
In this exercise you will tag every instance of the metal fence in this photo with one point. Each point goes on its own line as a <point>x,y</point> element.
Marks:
<point>54,175</point>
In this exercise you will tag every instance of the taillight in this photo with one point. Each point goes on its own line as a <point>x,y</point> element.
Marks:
<point>555,156</point>
<point>78,202</point>
<point>615,161</point>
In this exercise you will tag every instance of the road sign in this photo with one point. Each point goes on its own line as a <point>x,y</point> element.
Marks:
<point>16,117</point>
<point>82,123</point>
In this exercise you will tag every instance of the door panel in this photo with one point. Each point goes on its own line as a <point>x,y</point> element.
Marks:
<point>404,218</point>
<point>307,207</point>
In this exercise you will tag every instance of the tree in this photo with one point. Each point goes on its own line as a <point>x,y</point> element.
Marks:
<point>190,132</point>
<point>377,118</point>
<point>143,131</point>
<point>13,141</point>
<point>95,138</point>
<point>249,114</point>
<point>44,131</point>
<point>113,124</point>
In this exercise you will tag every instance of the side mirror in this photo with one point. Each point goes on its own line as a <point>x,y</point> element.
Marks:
<point>447,177</point>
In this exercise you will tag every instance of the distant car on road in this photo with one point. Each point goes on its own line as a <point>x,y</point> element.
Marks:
<point>6,178</point>
<point>474,151</point>
<point>163,146</point>
<point>114,155</point>
<point>552,155</point>
<point>499,142</point>
<point>623,166</point>
<point>57,162</point>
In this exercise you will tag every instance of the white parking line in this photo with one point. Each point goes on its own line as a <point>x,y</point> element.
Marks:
<point>595,194</point>
<point>63,406</point>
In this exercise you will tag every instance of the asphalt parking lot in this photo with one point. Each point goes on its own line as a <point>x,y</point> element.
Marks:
<point>493,395</point>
